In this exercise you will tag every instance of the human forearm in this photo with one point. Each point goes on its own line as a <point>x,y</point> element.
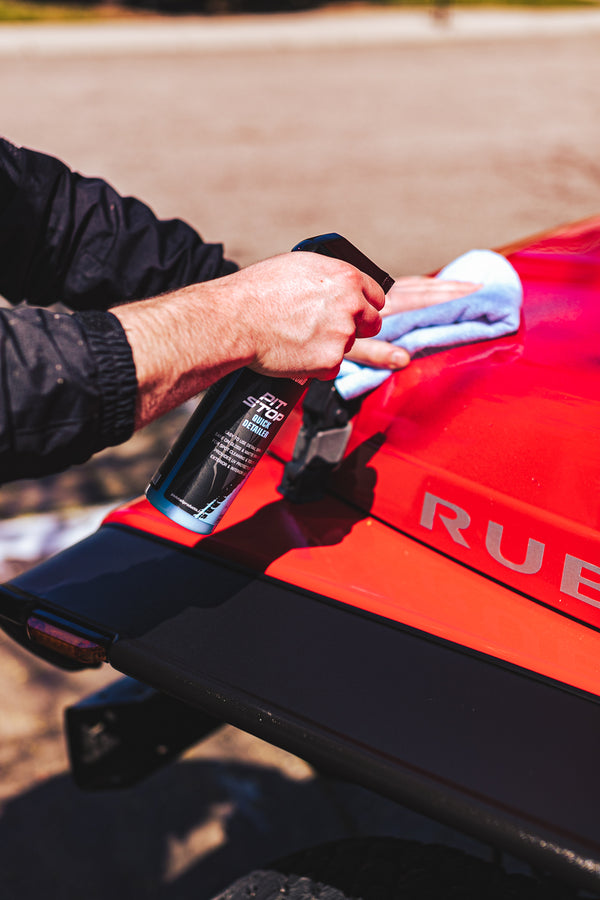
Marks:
<point>293,315</point>
<point>180,345</point>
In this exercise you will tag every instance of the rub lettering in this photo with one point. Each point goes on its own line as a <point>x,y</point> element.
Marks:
<point>456,521</point>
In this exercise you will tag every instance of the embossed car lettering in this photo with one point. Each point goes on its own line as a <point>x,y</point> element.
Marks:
<point>456,521</point>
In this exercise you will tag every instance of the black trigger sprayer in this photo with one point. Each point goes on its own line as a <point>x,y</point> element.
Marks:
<point>233,425</point>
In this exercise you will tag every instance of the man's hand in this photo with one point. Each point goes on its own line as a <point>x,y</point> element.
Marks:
<point>294,315</point>
<point>406,294</point>
<point>303,311</point>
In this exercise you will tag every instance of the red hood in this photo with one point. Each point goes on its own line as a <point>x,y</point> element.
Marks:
<point>487,453</point>
<point>490,452</point>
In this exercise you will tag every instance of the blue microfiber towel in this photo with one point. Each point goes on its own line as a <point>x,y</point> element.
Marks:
<point>492,311</point>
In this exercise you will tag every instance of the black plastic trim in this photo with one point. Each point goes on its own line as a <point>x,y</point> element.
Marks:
<point>497,751</point>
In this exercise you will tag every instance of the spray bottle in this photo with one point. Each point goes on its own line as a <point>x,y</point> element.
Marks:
<point>233,425</point>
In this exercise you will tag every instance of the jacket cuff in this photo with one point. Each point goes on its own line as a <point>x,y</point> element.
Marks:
<point>115,375</point>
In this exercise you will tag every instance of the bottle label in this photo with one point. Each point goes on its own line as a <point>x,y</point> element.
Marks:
<point>228,434</point>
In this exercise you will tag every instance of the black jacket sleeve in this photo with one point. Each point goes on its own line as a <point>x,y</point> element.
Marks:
<point>67,382</point>
<point>72,239</point>
<point>68,389</point>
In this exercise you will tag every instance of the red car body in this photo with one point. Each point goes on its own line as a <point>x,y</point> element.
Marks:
<point>429,627</point>
<point>488,453</point>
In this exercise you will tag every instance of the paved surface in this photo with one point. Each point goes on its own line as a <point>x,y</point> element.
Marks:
<point>348,27</point>
<point>416,150</point>
<point>418,140</point>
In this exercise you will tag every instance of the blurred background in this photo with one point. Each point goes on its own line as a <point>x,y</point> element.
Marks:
<point>418,132</point>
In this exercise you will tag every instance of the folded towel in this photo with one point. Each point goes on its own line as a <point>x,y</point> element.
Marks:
<point>491,312</point>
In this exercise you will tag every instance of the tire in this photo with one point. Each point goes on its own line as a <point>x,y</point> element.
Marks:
<point>389,869</point>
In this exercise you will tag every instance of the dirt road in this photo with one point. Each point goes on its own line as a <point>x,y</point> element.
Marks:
<point>416,149</point>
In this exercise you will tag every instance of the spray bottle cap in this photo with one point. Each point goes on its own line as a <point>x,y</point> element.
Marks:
<point>340,248</point>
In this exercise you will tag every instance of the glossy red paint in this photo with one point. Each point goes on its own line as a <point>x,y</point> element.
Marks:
<point>490,452</point>
<point>362,562</point>
<point>487,453</point>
